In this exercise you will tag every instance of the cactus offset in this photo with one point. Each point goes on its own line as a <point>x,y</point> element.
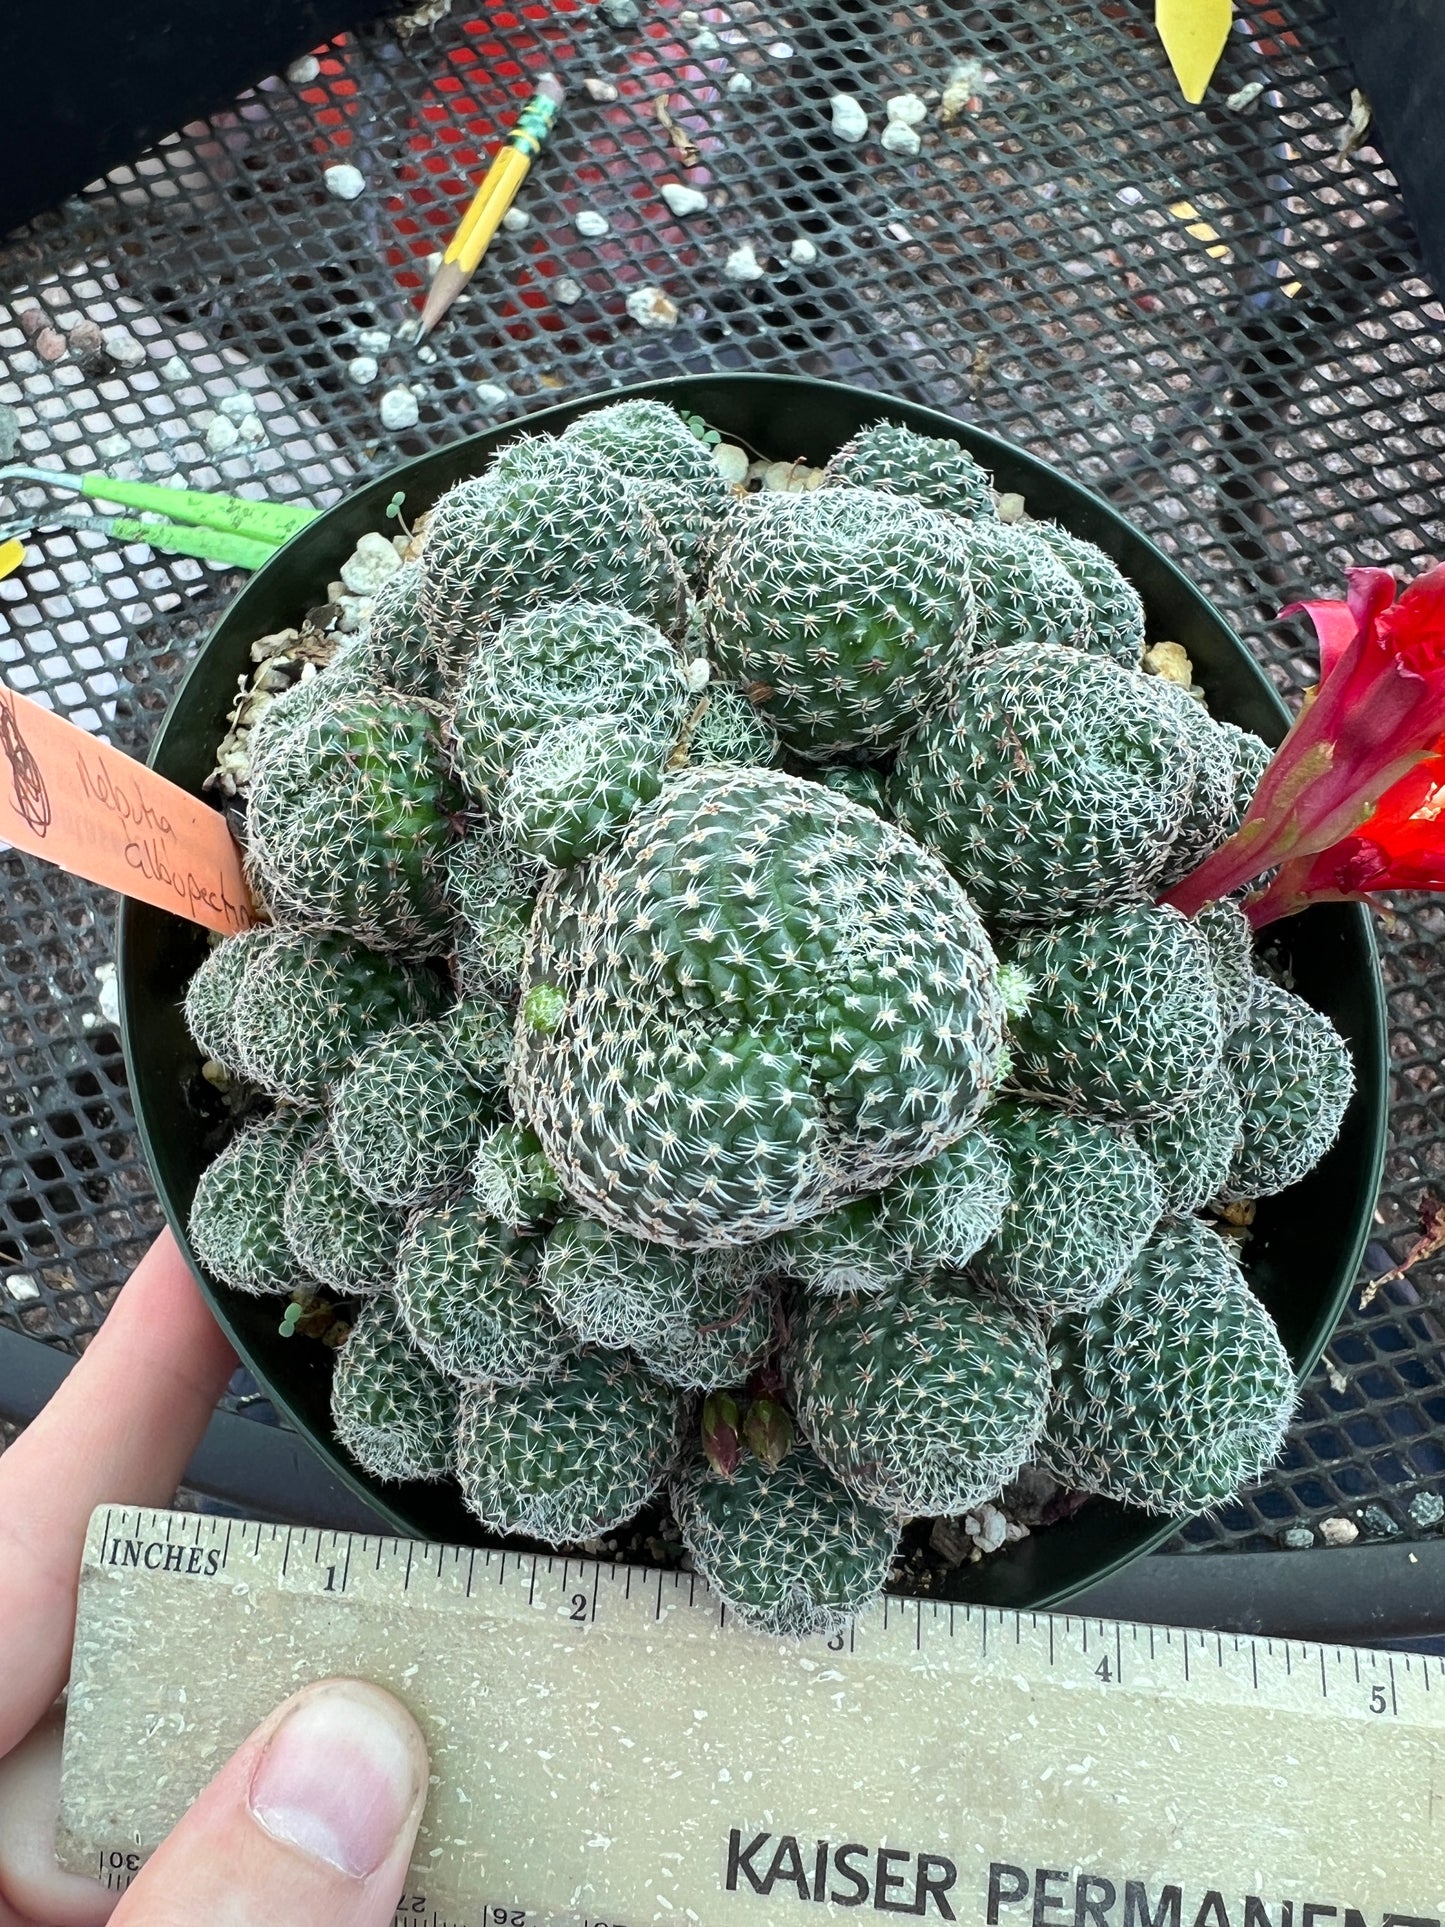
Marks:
<point>211,993</point>
<point>850,608</point>
<point>1192,1150</point>
<point>558,666</point>
<point>1176,1390</point>
<point>405,1120</point>
<point>764,1000</point>
<point>338,1234</point>
<point>1084,1199</point>
<point>730,733</point>
<point>1055,782</point>
<point>491,890</point>
<point>397,646</point>
<point>549,520</point>
<point>672,473</point>
<point>573,789</point>
<point>924,1400</point>
<point>1116,609</point>
<point>466,1288</point>
<point>1124,1017</point>
<point>569,1455</point>
<point>787,1548</point>
<point>512,1178</point>
<point>931,469</point>
<point>299,1022</point>
<point>350,820</point>
<point>1022,591</point>
<point>391,1409</point>
<point>236,1224</point>
<point>1293,1073</point>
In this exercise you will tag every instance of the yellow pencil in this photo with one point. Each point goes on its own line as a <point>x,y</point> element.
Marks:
<point>1195,33</point>
<point>491,201</point>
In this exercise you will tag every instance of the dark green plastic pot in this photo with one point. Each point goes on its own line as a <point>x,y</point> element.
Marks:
<point>1307,1244</point>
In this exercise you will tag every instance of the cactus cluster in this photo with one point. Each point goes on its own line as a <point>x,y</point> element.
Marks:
<point>717,1037</point>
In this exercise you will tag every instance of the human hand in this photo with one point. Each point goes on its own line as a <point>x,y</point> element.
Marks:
<point>316,1814</point>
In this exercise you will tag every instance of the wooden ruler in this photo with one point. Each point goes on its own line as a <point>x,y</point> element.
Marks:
<point>610,1749</point>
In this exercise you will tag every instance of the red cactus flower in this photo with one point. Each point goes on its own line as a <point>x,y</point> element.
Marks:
<point>1400,847</point>
<point>1378,712</point>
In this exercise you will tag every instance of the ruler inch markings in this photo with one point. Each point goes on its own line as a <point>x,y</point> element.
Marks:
<point>658,1653</point>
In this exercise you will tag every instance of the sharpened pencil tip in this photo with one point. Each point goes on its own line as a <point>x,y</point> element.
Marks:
<point>449,282</point>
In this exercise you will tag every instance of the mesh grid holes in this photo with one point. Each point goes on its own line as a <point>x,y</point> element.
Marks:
<point>1026,269</point>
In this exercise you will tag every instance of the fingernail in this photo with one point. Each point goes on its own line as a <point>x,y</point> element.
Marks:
<point>339,1776</point>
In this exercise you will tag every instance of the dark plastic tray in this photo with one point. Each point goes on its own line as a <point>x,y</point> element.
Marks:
<point>1305,1252</point>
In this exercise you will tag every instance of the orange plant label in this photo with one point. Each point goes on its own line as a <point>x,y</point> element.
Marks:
<point>96,812</point>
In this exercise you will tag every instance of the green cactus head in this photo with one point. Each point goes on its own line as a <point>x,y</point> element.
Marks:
<point>491,890</point>
<point>1083,1199</point>
<point>1175,1391</point>
<point>559,666</point>
<point>730,732</point>
<point>399,648</point>
<point>390,1408</point>
<point>405,1119</point>
<point>211,993</point>
<point>787,1548</point>
<point>512,1178</point>
<point>931,469</point>
<point>466,1288</point>
<point>671,471</point>
<point>570,1455</point>
<point>1022,591</point>
<point>350,820</point>
<point>336,1232</point>
<point>549,520</point>
<point>1294,1076</point>
<point>769,1000</point>
<point>925,1400</point>
<point>1116,609</point>
<point>1124,1023</point>
<point>236,1224</point>
<point>845,614</point>
<point>1055,783</point>
<point>299,1021</point>
<point>1192,1150</point>
<point>573,789</point>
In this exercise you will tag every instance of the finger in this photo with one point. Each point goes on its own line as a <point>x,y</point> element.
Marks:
<point>312,1820</point>
<point>120,1431</point>
<point>30,1882</point>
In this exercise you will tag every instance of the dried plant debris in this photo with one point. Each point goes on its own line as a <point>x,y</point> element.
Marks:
<point>420,19</point>
<point>683,144</point>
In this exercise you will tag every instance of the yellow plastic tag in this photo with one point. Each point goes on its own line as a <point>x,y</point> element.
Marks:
<point>12,554</point>
<point>1194,33</point>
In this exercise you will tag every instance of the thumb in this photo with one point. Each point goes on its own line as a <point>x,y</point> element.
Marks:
<point>313,1820</point>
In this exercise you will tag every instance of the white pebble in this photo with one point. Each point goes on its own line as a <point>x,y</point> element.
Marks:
<point>239,405</point>
<point>803,252</point>
<point>731,462</point>
<point>1010,508</point>
<point>743,264</point>
<point>698,673</point>
<point>490,394</point>
<point>113,447</point>
<point>1244,97</point>
<point>907,108</point>
<point>600,89</point>
<point>900,138</point>
<point>373,561</point>
<point>850,123</point>
<point>107,986</point>
<point>740,83</point>
<point>683,200</point>
<point>592,224</point>
<point>705,42</point>
<point>1339,1532</point>
<point>399,409</point>
<point>651,308</point>
<point>253,429</point>
<point>426,352</point>
<point>175,369</point>
<point>222,435</point>
<point>1130,196</point>
<point>780,50</point>
<point>302,72</point>
<point>373,341</point>
<point>20,1284</point>
<point>122,347</point>
<point>515,219</point>
<point>565,291</point>
<point>363,369</point>
<point>345,182</point>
